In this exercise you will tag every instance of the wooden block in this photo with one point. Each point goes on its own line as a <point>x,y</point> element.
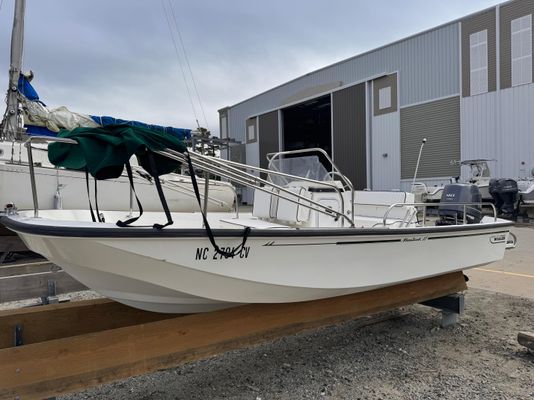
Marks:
<point>526,339</point>
<point>60,366</point>
<point>35,285</point>
<point>27,268</point>
<point>56,321</point>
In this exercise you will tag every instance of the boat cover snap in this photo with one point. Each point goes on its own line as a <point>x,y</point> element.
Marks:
<point>104,151</point>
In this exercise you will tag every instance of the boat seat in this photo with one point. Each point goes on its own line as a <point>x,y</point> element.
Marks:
<point>253,223</point>
<point>265,204</point>
<point>293,212</point>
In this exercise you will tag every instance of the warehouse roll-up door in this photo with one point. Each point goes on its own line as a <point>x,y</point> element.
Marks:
<point>267,135</point>
<point>349,136</point>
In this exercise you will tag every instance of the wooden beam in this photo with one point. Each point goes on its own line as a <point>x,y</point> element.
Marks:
<point>27,268</point>
<point>11,243</point>
<point>56,321</point>
<point>35,285</point>
<point>65,365</point>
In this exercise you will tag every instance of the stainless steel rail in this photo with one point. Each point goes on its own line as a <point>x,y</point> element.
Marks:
<point>236,172</point>
<point>426,205</point>
<point>28,145</point>
<point>335,171</point>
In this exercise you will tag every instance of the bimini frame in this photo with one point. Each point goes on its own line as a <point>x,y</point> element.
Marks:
<point>231,170</point>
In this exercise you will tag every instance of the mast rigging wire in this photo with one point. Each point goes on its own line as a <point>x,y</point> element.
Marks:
<point>167,17</point>
<point>187,63</point>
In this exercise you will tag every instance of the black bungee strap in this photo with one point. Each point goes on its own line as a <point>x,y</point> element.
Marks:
<point>154,173</point>
<point>89,195</point>
<point>227,254</point>
<point>124,224</point>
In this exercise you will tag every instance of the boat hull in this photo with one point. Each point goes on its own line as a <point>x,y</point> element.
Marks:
<point>183,274</point>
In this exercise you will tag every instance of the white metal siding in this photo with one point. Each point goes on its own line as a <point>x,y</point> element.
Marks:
<point>385,137</point>
<point>427,65</point>
<point>500,125</point>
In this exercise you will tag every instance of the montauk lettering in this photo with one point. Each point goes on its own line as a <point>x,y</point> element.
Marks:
<point>207,253</point>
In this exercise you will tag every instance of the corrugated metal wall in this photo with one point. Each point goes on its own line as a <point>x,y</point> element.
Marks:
<point>349,133</point>
<point>439,122</point>
<point>500,125</point>
<point>427,66</point>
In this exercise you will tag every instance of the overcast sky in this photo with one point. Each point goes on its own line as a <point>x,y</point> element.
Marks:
<point>117,57</point>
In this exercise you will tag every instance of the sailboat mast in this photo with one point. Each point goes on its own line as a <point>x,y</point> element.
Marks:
<point>10,128</point>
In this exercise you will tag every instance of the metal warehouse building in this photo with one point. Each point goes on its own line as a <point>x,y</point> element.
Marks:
<point>467,86</point>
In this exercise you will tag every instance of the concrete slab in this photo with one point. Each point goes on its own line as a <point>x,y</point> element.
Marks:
<point>514,274</point>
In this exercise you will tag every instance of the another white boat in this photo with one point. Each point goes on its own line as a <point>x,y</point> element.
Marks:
<point>60,188</point>
<point>480,176</point>
<point>312,237</point>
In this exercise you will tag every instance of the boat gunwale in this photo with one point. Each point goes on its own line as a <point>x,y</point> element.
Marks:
<point>149,232</point>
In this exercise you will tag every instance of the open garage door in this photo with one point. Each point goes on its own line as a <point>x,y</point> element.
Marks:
<point>308,125</point>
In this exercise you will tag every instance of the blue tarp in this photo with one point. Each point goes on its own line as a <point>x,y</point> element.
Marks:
<point>180,133</point>
<point>34,130</point>
<point>27,90</point>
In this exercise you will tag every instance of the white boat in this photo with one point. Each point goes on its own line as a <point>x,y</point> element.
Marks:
<point>309,238</point>
<point>480,176</point>
<point>61,188</point>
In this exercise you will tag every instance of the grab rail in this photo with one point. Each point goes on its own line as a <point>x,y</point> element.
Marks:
<point>335,170</point>
<point>231,170</point>
<point>235,172</point>
<point>426,205</point>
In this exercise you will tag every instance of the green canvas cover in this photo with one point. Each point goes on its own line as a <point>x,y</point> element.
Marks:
<point>104,151</point>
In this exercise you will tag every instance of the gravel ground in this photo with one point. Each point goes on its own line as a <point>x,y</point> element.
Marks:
<point>406,357</point>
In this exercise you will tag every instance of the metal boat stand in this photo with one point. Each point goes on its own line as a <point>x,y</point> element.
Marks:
<point>451,306</point>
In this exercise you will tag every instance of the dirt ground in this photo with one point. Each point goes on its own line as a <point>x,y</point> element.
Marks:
<point>406,357</point>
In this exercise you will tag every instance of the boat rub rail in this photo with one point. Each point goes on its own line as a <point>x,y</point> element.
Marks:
<point>143,232</point>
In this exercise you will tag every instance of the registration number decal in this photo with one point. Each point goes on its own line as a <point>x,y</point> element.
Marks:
<point>207,253</point>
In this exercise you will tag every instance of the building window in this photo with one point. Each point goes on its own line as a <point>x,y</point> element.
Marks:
<point>224,128</point>
<point>478,56</point>
<point>522,50</point>
<point>251,130</point>
<point>384,98</point>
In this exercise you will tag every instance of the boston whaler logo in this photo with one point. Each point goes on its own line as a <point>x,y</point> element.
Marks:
<point>414,239</point>
<point>501,238</point>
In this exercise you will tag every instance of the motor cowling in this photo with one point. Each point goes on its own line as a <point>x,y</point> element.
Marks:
<point>451,209</point>
<point>494,193</point>
<point>508,192</point>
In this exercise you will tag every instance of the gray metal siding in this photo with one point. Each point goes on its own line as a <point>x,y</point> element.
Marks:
<point>498,126</point>
<point>380,83</point>
<point>427,66</point>
<point>350,134</point>
<point>439,122</point>
<point>507,13</point>
<point>267,136</point>
<point>472,25</point>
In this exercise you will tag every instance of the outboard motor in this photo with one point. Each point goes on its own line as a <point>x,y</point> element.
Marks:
<point>451,209</point>
<point>494,192</point>
<point>508,192</point>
